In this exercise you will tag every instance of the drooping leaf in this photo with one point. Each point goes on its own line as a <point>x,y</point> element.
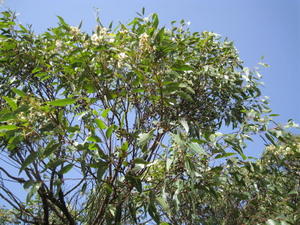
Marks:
<point>30,159</point>
<point>102,167</point>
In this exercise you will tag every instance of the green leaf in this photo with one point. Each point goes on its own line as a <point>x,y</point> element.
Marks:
<point>19,92</point>
<point>140,161</point>
<point>94,138</point>
<point>136,182</point>
<point>182,67</point>
<point>66,169</point>
<point>8,127</point>
<point>270,138</point>
<point>109,131</point>
<point>197,148</point>
<point>185,96</point>
<point>144,138</point>
<point>185,125</point>
<point>7,116</point>
<point>164,204</point>
<point>152,209</point>
<point>62,102</point>
<point>28,184</point>
<point>155,20</point>
<point>55,163</point>
<point>105,113</point>
<point>132,210</point>
<point>93,146</point>
<point>51,147</point>
<point>225,155</point>
<point>100,124</point>
<point>30,159</point>
<point>274,115</point>
<point>83,188</point>
<point>10,102</point>
<point>62,22</point>
<point>102,167</point>
<point>124,146</point>
<point>34,189</point>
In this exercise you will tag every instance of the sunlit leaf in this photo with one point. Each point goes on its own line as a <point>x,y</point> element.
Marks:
<point>19,92</point>
<point>197,148</point>
<point>8,127</point>
<point>62,102</point>
<point>144,138</point>
<point>100,124</point>
<point>10,102</point>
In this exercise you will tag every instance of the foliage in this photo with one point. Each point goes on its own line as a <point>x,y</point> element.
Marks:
<point>123,126</point>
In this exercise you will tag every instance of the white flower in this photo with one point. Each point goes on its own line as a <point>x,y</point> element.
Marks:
<point>58,44</point>
<point>111,40</point>
<point>74,31</point>
<point>123,31</point>
<point>144,37</point>
<point>122,55</point>
<point>95,39</point>
<point>100,35</point>
<point>144,43</point>
<point>101,30</point>
<point>246,77</point>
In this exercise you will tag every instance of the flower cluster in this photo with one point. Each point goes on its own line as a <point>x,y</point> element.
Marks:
<point>74,31</point>
<point>101,35</point>
<point>58,44</point>
<point>121,59</point>
<point>144,44</point>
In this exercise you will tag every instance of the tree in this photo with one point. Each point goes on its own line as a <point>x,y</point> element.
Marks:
<point>123,126</point>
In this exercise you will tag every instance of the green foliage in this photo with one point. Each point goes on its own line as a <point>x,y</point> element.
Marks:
<point>124,126</point>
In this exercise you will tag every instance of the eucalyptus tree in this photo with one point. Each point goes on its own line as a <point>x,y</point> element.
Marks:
<point>123,125</point>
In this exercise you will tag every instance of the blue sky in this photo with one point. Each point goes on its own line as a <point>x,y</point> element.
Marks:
<point>269,28</point>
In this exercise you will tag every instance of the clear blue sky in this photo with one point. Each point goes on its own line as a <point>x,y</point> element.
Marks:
<point>269,28</point>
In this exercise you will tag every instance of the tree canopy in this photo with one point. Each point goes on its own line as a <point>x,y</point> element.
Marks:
<point>138,124</point>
